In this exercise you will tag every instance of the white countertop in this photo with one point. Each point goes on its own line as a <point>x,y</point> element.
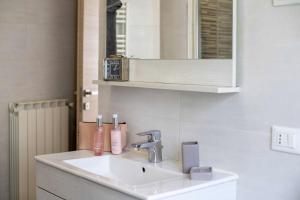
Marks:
<point>152,191</point>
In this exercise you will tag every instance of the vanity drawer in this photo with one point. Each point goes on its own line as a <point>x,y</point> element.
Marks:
<point>44,195</point>
<point>71,187</point>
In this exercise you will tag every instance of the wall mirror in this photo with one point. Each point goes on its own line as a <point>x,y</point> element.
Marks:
<point>187,45</point>
<point>170,29</point>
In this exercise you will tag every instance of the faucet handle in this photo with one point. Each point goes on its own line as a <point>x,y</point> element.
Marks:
<point>153,135</point>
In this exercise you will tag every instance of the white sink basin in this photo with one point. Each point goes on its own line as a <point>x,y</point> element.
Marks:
<point>128,176</point>
<point>123,170</point>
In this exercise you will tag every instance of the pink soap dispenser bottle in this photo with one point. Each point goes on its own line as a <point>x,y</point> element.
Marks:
<point>98,137</point>
<point>116,144</point>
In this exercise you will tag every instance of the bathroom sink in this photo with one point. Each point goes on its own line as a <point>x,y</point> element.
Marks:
<point>123,170</point>
<point>129,176</point>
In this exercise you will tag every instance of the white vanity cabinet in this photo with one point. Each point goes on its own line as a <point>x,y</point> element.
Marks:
<point>72,187</point>
<point>57,179</point>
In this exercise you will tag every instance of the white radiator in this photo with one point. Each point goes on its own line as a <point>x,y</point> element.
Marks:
<point>39,127</point>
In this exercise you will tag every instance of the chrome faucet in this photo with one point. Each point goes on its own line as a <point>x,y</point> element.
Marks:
<point>153,145</point>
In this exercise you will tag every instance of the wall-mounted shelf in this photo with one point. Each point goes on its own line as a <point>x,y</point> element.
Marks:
<point>169,86</point>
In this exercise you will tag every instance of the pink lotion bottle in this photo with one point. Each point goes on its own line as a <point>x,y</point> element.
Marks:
<point>116,144</point>
<point>98,137</point>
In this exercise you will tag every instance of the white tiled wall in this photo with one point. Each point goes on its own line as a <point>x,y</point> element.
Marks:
<point>234,129</point>
<point>143,29</point>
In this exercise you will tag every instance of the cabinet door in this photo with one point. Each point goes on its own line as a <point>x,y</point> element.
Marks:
<point>44,195</point>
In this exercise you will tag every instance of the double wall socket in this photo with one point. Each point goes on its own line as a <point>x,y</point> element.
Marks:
<point>286,139</point>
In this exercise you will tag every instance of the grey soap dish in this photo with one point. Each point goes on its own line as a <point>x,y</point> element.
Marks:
<point>201,173</point>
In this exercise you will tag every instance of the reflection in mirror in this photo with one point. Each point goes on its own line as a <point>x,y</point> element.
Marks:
<point>170,29</point>
<point>215,29</point>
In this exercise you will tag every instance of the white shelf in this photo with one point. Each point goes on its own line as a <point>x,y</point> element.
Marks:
<point>169,86</point>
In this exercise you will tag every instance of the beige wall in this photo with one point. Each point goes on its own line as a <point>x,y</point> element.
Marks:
<point>234,129</point>
<point>37,48</point>
<point>174,29</point>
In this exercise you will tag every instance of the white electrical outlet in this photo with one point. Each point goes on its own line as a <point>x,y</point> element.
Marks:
<point>286,139</point>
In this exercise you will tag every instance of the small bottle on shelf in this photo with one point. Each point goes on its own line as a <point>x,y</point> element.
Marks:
<point>116,144</point>
<point>98,137</point>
